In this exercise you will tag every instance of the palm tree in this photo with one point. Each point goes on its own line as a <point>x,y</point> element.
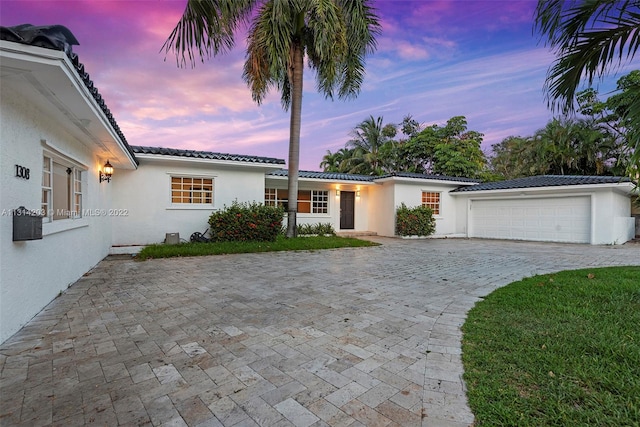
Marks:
<point>336,162</point>
<point>335,36</point>
<point>590,37</point>
<point>368,137</point>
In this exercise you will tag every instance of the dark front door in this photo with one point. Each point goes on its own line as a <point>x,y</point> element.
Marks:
<point>347,199</point>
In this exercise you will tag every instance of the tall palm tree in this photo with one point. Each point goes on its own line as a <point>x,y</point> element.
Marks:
<point>335,36</point>
<point>590,37</point>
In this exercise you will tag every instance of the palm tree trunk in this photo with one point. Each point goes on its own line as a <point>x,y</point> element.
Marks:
<point>295,77</point>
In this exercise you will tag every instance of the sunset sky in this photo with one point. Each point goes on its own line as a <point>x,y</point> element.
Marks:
<point>435,60</point>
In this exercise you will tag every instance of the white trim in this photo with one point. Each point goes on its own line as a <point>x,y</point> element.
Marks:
<point>624,187</point>
<point>192,207</point>
<point>192,174</point>
<point>322,180</point>
<point>60,225</point>
<point>55,151</point>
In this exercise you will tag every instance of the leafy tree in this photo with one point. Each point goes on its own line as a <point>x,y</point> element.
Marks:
<point>590,37</point>
<point>335,36</point>
<point>511,158</point>
<point>447,150</point>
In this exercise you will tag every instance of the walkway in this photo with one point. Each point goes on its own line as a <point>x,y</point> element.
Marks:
<point>349,337</point>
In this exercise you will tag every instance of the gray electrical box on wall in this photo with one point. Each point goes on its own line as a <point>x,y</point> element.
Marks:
<point>27,225</point>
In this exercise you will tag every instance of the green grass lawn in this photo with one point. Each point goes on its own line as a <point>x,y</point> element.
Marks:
<point>557,350</point>
<point>281,244</point>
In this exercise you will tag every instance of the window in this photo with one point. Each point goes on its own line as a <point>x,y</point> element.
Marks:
<point>191,190</point>
<point>431,200</point>
<point>309,201</point>
<point>320,202</point>
<point>61,189</point>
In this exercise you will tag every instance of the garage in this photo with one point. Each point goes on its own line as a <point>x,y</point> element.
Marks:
<point>550,219</point>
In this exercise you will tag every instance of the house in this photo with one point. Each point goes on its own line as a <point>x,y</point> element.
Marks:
<point>175,191</point>
<point>72,189</point>
<point>57,134</point>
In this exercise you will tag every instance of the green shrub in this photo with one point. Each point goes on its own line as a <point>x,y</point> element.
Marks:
<point>317,229</point>
<point>246,222</point>
<point>416,221</point>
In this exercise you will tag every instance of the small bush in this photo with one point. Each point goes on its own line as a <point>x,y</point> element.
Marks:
<point>416,221</point>
<point>246,222</point>
<point>317,229</point>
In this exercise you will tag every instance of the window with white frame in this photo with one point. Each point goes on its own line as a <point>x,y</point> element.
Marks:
<point>190,190</point>
<point>320,202</point>
<point>309,201</point>
<point>431,200</point>
<point>62,189</point>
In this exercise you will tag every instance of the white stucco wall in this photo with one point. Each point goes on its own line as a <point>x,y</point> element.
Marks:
<point>382,209</point>
<point>144,196</point>
<point>32,273</point>
<point>409,192</point>
<point>612,221</point>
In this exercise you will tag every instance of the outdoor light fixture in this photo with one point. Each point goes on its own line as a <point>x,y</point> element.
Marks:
<point>337,192</point>
<point>106,174</point>
<point>357,193</point>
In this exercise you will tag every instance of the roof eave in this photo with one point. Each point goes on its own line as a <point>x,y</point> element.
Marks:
<point>324,180</point>
<point>38,58</point>
<point>218,162</point>
<point>424,180</point>
<point>626,188</point>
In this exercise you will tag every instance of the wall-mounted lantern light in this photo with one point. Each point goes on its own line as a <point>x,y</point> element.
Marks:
<point>337,192</point>
<point>358,193</point>
<point>105,175</point>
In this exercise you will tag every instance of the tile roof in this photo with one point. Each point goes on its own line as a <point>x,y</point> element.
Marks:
<point>58,37</point>
<point>335,176</point>
<point>332,176</point>
<point>205,155</point>
<point>429,176</point>
<point>543,181</point>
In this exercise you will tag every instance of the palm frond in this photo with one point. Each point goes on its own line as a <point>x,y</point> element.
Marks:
<point>206,29</point>
<point>589,38</point>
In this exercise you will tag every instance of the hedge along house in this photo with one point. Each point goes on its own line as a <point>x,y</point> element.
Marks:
<point>57,135</point>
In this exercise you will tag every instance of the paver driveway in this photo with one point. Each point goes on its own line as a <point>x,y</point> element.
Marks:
<point>348,337</point>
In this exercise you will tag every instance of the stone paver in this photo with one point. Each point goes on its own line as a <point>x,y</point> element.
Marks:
<point>348,337</point>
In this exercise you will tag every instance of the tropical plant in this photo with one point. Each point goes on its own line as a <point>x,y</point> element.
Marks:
<point>335,36</point>
<point>336,162</point>
<point>319,229</point>
<point>367,141</point>
<point>563,147</point>
<point>590,37</point>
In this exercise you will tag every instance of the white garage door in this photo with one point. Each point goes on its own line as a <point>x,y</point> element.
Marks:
<point>563,219</point>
